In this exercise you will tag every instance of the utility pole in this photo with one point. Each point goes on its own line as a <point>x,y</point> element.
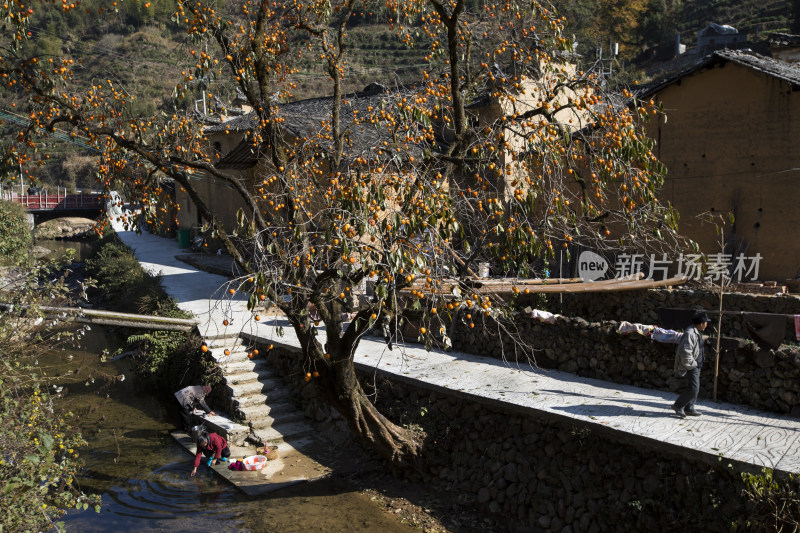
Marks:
<point>613,51</point>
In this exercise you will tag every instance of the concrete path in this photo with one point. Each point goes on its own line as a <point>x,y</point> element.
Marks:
<point>740,435</point>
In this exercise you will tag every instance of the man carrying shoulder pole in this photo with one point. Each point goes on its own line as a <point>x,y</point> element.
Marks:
<point>688,362</point>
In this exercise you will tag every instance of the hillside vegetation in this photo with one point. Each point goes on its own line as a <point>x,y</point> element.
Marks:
<point>142,50</point>
<point>756,18</point>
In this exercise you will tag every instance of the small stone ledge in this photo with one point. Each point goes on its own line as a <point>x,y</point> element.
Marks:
<point>233,432</point>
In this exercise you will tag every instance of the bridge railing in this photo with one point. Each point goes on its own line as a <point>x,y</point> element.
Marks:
<point>58,201</point>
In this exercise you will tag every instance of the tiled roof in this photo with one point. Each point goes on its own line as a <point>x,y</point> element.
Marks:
<point>788,72</point>
<point>784,39</point>
<point>719,29</point>
<point>241,123</point>
<point>304,119</point>
<point>244,156</point>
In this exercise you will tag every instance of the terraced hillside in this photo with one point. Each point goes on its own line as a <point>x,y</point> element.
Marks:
<point>140,48</point>
<point>756,18</point>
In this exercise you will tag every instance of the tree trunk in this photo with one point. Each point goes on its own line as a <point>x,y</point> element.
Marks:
<point>342,390</point>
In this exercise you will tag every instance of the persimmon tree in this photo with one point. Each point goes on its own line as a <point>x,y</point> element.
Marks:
<point>503,152</point>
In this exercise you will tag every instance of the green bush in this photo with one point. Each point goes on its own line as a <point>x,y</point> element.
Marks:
<point>39,462</point>
<point>169,360</point>
<point>120,277</point>
<point>775,502</point>
<point>15,235</point>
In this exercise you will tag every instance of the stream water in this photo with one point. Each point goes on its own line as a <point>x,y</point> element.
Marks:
<point>142,474</point>
<point>82,249</point>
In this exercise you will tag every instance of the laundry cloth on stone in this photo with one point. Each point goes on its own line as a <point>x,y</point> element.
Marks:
<point>797,327</point>
<point>626,328</point>
<point>677,319</point>
<point>766,329</point>
<point>542,316</point>
<point>667,336</point>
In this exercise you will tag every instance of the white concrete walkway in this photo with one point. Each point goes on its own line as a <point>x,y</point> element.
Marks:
<point>739,434</point>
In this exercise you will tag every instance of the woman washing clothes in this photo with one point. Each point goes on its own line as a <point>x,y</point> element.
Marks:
<point>210,445</point>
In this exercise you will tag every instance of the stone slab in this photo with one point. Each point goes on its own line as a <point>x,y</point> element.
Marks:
<point>223,425</point>
<point>290,468</point>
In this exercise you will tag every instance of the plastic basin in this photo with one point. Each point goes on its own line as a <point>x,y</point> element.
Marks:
<point>254,462</point>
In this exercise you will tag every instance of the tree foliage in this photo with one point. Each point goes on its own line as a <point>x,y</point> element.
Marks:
<point>502,152</point>
<point>15,235</point>
<point>775,501</point>
<point>637,25</point>
<point>39,460</point>
<point>167,360</point>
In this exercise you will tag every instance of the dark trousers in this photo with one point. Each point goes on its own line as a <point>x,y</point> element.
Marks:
<point>186,417</point>
<point>688,397</point>
<point>208,452</point>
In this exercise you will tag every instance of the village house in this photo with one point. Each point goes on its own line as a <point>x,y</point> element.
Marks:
<point>719,37</point>
<point>785,46</point>
<point>728,138</point>
<point>302,125</point>
<point>240,158</point>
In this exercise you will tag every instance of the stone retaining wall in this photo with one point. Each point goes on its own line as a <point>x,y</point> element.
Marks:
<point>534,474</point>
<point>748,375</point>
<point>642,306</point>
<point>538,475</point>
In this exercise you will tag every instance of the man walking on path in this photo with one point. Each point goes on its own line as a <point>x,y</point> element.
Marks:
<point>688,362</point>
<point>189,398</point>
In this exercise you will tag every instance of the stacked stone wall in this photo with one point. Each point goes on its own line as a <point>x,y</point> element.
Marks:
<point>539,475</point>
<point>642,306</point>
<point>748,374</point>
<point>536,474</point>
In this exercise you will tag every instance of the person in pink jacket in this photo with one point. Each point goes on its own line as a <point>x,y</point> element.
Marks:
<point>210,445</point>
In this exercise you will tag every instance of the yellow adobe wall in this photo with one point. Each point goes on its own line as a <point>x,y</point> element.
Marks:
<point>219,196</point>
<point>527,99</point>
<point>730,144</point>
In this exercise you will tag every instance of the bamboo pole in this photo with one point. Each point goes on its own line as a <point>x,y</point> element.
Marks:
<point>160,326</point>
<point>114,314</point>
<point>719,335</point>
<point>113,318</point>
<point>719,318</point>
<point>569,288</point>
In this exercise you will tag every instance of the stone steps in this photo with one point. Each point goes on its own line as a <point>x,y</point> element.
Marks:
<point>270,388</point>
<point>231,358</point>
<point>281,409</point>
<point>258,396</point>
<point>264,376</point>
<point>247,365</point>
<point>221,338</point>
<point>244,383</point>
<point>263,423</point>
<point>280,432</point>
